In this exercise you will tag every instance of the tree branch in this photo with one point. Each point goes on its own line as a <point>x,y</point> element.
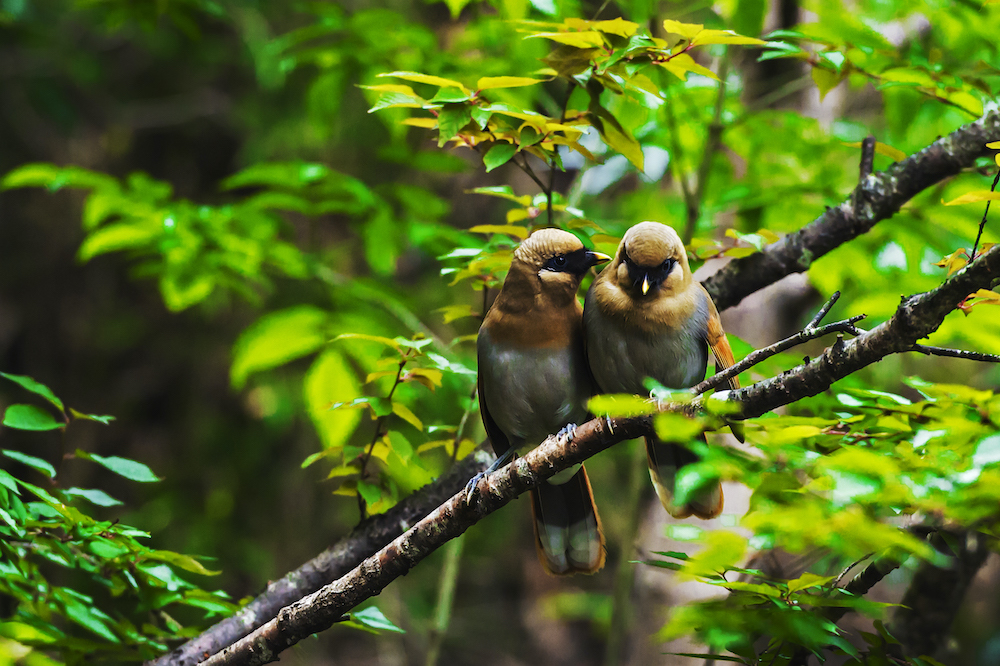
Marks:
<point>368,537</point>
<point>916,317</point>
<point>879,197</point>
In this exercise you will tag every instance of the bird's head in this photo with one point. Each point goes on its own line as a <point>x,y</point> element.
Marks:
<point>651,260</point>
<point>558,258</point>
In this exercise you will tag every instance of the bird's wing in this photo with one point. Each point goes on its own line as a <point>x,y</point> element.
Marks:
<point>718,342</point>
<point>498,440</point>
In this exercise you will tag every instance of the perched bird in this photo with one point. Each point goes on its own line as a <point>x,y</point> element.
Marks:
<point>645,316</point>
<point>534,381</point>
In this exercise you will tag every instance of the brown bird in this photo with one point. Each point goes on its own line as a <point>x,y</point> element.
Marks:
<point>645,316</point>
<point>534,381</point>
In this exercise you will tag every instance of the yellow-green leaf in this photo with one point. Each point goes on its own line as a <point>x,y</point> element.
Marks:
<point>453,312</point>
<point>417,77</point>
<point>895,154</point>
<point>580,40</point>
<point>426,123</point>
<point>680,65</point>
<point>491,82</point>
<point>621,405</point>
<point>516,231</point>
<point>994,144</point>
<point>403,412</point>
<point>392,87</point>
<point>429,377</point>
<point>685,30</point>
<point>618,26</point>
<point>723,37</point>
<point>954,261</point>
<point>826,80</point>
<point>973,197</point>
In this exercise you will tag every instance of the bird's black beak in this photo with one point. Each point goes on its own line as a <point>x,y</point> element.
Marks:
<point>594,258</point>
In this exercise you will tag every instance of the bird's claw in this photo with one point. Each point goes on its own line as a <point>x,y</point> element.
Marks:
<point>567,433</point>
<point>472,485</point>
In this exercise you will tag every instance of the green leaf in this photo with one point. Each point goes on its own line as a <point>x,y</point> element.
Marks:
<point>89,617</point>
<point>115,237</point>
<point>491,82</point>
<point>329,380</point>
<point>106,420</point>
<point>498,155</point>
<point>417,77</point>
<point>130,469</point>
<point>621,405</point>
<point>451,119</point>
<point>580,40</point>
<point>181,561</point>
<point>98,497</point>
<point>277,338</point>
<point>30,417</point>
<point>404,412</point>
<point>35,387</point>
<point>372,618</point>
<point>31,461</point>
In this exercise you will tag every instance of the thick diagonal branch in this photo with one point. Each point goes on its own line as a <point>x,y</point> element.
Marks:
<point>877,198</point>
<point>916,317</point>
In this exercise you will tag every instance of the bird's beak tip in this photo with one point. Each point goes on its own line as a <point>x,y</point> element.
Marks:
<point>645,285</point>
<point>599,257</point>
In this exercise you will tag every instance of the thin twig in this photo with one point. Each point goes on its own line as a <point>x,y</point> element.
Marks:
<point>712,142</point>
<point>957,353</point>
<point>810,332</point>
<point>526,168</point>
<point>823,311</point>
<point>985,213</point>
<point>864,171</point>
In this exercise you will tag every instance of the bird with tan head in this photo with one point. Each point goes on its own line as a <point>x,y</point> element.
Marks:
<point>534,381</point>
<point>646,316</point>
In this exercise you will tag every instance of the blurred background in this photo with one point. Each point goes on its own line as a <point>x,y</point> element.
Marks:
<point>191,92</point>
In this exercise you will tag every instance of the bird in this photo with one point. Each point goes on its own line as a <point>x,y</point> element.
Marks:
<point>533,380</point>
<point>646,316</point>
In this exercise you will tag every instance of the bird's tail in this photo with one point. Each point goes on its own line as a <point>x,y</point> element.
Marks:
<point>664,462</point>
<point>568,534</point>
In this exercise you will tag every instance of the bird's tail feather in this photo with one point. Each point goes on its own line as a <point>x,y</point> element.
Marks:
<point>665,460</point>
<point>568,534</point>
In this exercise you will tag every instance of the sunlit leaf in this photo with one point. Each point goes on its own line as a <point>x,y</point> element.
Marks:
<point>30,417</point>
<point>130,469</point>
<point>580,40</point>
<point>417,77</point>
<point>491,82</point>
<point>509,229</point>
<point>976,196</point>
<point>277,338</point>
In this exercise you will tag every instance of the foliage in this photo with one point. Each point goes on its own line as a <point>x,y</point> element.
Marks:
<point>83,588</point>
<point>344,229</point>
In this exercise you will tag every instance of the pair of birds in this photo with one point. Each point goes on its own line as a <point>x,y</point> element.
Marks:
<point>541,356</point>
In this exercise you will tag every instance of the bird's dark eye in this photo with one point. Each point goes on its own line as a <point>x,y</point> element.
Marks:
<point>559,261</point>
<point>667,264</point>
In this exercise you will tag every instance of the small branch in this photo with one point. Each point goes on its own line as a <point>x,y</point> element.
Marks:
<point>526,168</point>
<point>986,212</point>
<point>883,194</point>
<point>867,159</point>
<point>328,566</point>
<point>810,332</point>
<point>957,353</point>
<point>712,143</point>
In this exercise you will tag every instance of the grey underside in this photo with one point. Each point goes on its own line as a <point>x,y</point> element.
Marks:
<point>621,355</point>
<point>532,393</point>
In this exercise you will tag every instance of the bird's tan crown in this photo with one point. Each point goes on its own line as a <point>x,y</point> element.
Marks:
<point>652,243</point>
<point>544,244</point>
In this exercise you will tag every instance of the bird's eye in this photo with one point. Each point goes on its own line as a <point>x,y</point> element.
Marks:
<point>559,261</point>
<point>667,265</point>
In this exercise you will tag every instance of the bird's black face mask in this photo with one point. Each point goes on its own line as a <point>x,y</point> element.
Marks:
<point>647,278</point>
<point>576,262</point>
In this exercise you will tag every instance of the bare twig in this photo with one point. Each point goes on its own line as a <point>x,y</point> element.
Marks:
<point>986,212</point>
<point>810,332</point>
<point>957,353</point>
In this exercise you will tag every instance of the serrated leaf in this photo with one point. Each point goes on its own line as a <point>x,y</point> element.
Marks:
<point>35,387</point>
<point>130,469</point>
<point>498,155</point>
<point>30,417</point>
<point>36,464</point>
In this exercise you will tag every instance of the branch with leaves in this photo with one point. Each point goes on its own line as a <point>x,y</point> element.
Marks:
<point>915,318</point>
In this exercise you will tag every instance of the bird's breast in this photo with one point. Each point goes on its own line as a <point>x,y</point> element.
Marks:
<point>622,353</point>
<point>532,392</point>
